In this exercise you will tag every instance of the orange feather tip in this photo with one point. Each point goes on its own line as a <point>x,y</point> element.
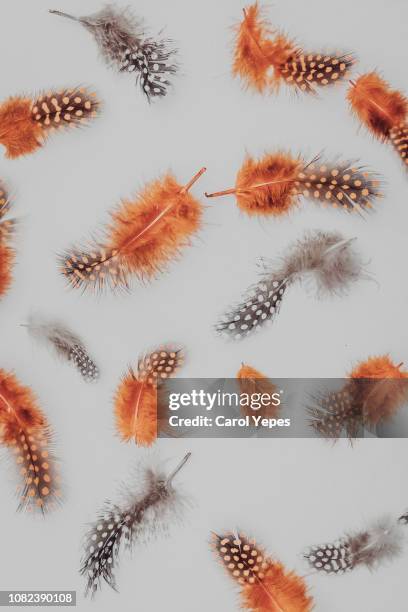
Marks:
<point>266,586</point>
<point>139,413</point>
<point>274,184</point>
<point>25,431</point>
<point>7,254</point>
<point>251,382</point>
<point>264,58</point>
<point>144,236</point>
<point>26,123</point>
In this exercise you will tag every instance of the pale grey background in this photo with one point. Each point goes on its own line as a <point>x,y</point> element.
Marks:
<point>287,493</point>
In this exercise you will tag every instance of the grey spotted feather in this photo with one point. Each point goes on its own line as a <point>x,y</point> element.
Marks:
<point>139,518</point>
<point>123,43</point>
<point>380,542</point>
<point>324,257</point>
<point>66,345</point>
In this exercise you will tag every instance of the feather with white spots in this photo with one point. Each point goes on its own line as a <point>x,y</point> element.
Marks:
<point>124,44</point>
<point>65,344</point>
<point>378,543</point>
<point>138,518</point>
<point>324,257</point>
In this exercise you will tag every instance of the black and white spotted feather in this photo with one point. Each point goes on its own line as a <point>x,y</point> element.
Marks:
<point>140,517</point>
<point>123,43</point>
<point>326,258</point>
<point>65,344</point>
<point>378,543</point>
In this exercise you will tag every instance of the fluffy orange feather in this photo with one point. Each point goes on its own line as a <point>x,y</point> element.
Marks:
<point>383,110</point>
<point>139,413</point>
<point>273,185</point>
<point>264,58</point>
<point>143,237</point>
<point>7,254</point>
<point>24,429</point>
<point>383,397</point>
<point>266,586</point>
<point>25,123</point>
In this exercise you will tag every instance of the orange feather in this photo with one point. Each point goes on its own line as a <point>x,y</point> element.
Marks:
<point>7,254</point>
<point>264,58</point>
<point>143,237</point>
<point>24,429</point>
<point>140,415</point>
<point>384,111</point>
<point>382,398</point>
<point>266,586</point>
<point>252,381</point>
<point>25,123</point>
<point>273,185</point>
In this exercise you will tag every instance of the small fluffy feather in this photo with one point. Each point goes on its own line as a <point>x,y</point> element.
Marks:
<point>25,123</point>
<point>252,381</point>
<point>143,237</point>
<point>265,58</point>
<point>146,511</point>
<point>65,344</point>
<point>325,257</point>
<point>25,431</point>
<point>378,107</point>
<point>266,585</point>
<point>139,413</point>
<point>274,184</point>
<point>379,543</point>
<point>7,254</point>
<point>123,44</point>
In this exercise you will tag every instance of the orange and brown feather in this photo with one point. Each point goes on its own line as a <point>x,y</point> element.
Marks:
<point>265,58</point>
<point>24,429</point>
<point>274,184</point>
<point>252,381</point>
<point>25,123</point>
<point>266,585</point>
<point>140,415</point>
<point>143,237</point>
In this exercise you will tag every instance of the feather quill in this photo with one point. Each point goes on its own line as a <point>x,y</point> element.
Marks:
<point>275,184</point>
<point>265,58</point>
<point>7,227</point>
<point>371,547</point>
<point>25,431</point>
<point>265,584</point>
<point>325,257</point>
<point>138,518</point>
<point>377,388</point>
<point>66,344</point>
<point>143,237</point>
<point>139,413</point>
<point>26,123</point>
<point>124,45</point>
<point>383,110</point>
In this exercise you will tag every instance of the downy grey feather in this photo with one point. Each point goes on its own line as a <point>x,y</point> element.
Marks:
<point>325,257</point>
<point>140,517</point>
<point>66,345</point>
<point>123,43</point>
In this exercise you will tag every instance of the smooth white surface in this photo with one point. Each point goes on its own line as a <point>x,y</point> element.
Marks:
<point>287,493</point>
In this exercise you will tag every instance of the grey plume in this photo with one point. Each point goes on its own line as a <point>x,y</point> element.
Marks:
<point>124,44</point>
<point>325,257</point>
<point>66,345</point>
